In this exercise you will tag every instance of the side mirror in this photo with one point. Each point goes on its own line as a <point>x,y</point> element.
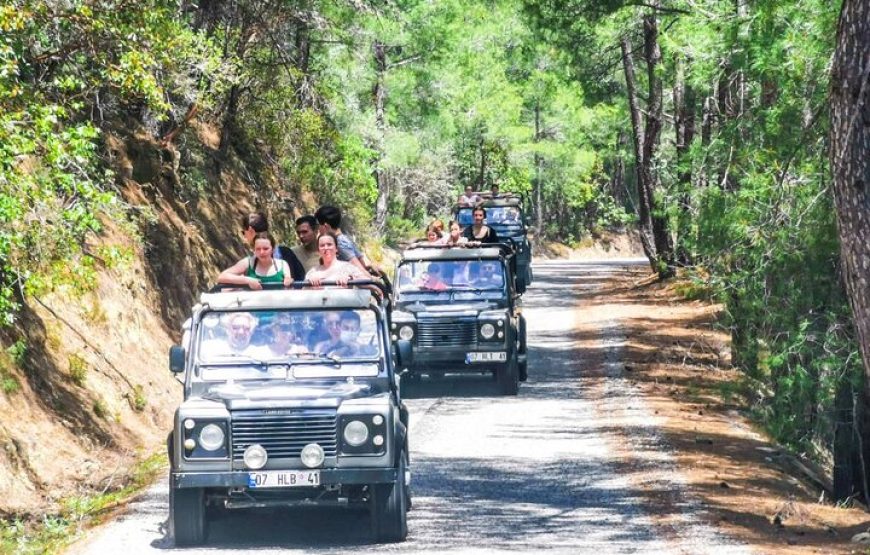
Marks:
<point>404,353</point>
<point>177,355</point>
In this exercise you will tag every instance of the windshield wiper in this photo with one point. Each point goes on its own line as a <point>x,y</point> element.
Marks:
<point>235,358</point>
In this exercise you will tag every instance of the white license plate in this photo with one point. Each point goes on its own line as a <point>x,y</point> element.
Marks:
<point>486,357</point>
<point>284,479</point>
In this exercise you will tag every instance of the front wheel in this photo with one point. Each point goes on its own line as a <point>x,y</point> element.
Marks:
<point>389,507</point>
<point>187,522</point>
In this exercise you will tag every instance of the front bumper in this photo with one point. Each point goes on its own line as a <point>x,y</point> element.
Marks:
<point>328,476</point>
<point>453,360</point>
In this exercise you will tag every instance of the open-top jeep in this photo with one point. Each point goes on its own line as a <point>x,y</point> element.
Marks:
<point>457,306</point>
<point>504,214</point>
<point>290,398</point>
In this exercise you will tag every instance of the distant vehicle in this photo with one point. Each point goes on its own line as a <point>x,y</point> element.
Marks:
<point>505,215</point>
<point>457,306</point>
<point>290,398</point>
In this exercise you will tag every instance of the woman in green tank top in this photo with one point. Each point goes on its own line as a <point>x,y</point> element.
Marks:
<point>259,268</point>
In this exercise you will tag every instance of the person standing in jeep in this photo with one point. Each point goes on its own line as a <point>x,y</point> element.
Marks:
<point>479,231</point>
<point>329,218</point>
<point>306,251</point>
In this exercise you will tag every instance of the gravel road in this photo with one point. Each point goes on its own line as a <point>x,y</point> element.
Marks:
<point>538,472</point>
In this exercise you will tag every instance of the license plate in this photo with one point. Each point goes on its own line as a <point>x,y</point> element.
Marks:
<point>284,479</point>
<point>486,357</point>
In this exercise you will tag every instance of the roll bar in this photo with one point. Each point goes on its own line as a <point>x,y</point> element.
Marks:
<point>381,286</point>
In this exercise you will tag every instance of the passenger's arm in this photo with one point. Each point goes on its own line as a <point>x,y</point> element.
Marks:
<point>234,275</point>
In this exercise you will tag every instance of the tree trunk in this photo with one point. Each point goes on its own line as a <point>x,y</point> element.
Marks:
<point>481,179</point>
<point>850,164</point>
<point>652,135</point>
<point>644,194</point>
<point>684,128</point>
<point>380,93</point>
<point>304,89</point>
<point>228,127</point>
<point>539,185</point>
<point>618,186</point>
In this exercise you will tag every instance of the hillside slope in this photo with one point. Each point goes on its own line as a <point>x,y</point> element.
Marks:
<point>87,391</point>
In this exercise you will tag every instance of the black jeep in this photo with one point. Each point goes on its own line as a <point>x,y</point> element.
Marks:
<point>504,214</point>
<point>457,306</point>
<point>290,398</point>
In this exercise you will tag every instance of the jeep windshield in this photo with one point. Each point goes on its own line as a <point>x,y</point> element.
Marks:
<point>284,344</point>
<point>506,220</point>
<point>444,280</point>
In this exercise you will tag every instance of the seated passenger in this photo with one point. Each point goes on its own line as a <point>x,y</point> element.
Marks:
<point>344,339</point>
<point>486,276</point>
<point>260,268</point>
<point>432,280</point>
<point>330,268</point>
<point>239,330</point>
<point>327,334</point>
<point>285,338</point>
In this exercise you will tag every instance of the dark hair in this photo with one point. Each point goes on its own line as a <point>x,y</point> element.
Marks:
<point>328,234</point>
<point>307,219</point>
<point>328,215</point>
<point>255,220</point>
<point>434,230</point>
<point>265,235</point>
<point>350,316</point>
<point>476,208</point>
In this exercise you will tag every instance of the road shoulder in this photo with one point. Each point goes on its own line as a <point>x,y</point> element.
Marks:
<point>676,364</point>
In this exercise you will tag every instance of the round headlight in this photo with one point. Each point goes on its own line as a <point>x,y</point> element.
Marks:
<point>312,455</point>
<point>377,420</point>
<point>189,424</point>
<point>189,444</point>
<point>356,433</point>
<point>487,331</point>
<point>255,457</point>
<point>211,437</point>
<point>378,441</point>
<point>406,333</point>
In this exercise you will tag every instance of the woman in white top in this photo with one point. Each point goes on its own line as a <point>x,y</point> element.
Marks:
<point>330,268</point>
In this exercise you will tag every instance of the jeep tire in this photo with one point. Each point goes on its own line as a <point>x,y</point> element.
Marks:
<point>523,350</point>
<point>187,522</point>
<point>508,378</point>
<point>389,507</point>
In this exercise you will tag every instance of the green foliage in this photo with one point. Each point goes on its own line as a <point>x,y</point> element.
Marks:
<point>52,533</point>
<point>78,369</point>
<point>101,410</point>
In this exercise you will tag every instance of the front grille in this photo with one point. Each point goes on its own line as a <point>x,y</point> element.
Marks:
<point>447,333</point>
<point>284,435</point>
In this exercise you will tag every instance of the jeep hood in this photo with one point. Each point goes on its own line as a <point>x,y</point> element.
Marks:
<point>439,307</point>
<point>255,395</point>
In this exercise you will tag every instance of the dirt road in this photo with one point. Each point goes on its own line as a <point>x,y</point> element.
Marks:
<point>578,462</point>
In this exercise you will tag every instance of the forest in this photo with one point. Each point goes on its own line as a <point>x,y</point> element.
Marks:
<point>732,134</point>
